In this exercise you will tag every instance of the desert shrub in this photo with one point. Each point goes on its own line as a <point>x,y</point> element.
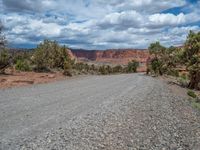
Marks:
<point>157,67</point>
<point>4,60</point>
<point>92,67</point>
<point>4,55</point>
<point>67,68</point>
<point>118,69</point>
<point>132,66</point>
<point>173,72</point>
<point>191,58</point>
<point>109,69</point>
<point>196,105</point>
<point>184,76</point>
<point>156,49</point>
<point>192,94</point>
<point>50,55</point>
<point>164,60</point>
<point>60,57</point>
<point>86,67</point>
<point>78,66</point>
<point>183,82</point>
<point>198,99</point>
<point>103,70</point>
<point>2,38</point>
<point>22,65</point>
<point>21,55</point>
<point>40,57</point>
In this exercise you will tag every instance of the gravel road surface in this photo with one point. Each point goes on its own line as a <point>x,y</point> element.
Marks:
<point>117,112</point>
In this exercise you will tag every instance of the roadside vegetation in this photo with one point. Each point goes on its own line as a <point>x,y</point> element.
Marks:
<point>183,62</point>
<point>191,94</point>
<point>49,56</point>
<point>194,99</point>
<point>4,55</point>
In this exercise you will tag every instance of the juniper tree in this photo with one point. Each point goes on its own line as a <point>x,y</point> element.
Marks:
<point>4,55</point>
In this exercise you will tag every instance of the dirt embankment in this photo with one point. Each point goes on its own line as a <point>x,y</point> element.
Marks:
<point>18,79</point>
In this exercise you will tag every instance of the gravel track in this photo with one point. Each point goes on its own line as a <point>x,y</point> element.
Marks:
<point>119,112</point>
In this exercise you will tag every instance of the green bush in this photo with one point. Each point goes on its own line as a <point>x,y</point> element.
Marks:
<point>157,67</point>
<point>109,69</point>
<point>22,65</point>
<point>197,100</point>
<point>192,94</point>
<point>173,72</point>
<point>196,105</point>
<point>21,55</point>
<point>67,68</point>
<point>132,66</point>
<point>4,55</point>
<point>118,69</point>
<point>4,60</point>
<point>163,60</point>
<point>81,66</point>
<point>183,82</point>
<point>102,70</point>
<point>49,55</point>
<point>191,58</point>
<point>184,76</point>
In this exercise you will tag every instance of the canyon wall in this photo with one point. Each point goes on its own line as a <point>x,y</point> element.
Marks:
<point>119,56</point>
<point>113,56</point>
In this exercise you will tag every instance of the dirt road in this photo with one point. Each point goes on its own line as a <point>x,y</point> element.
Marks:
<point>131,111</point>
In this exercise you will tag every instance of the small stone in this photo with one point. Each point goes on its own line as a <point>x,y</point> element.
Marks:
<point>173,147</point>
<point>51,76</point>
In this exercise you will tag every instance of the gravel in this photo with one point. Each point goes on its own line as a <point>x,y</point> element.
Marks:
<point>119,112</point>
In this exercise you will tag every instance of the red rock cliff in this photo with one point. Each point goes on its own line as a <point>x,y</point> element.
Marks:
<point>121,56</point>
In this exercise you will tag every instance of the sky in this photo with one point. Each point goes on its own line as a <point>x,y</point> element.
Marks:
<point>99,24</point>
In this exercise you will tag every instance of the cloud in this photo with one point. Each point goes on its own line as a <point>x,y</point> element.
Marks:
<point>133,19</point>
<point>45,29</point>
<point>26,5</point>
<point>99,24</point>
<point>121,20</point>
<point>167,19</point>
<point>147,6</point>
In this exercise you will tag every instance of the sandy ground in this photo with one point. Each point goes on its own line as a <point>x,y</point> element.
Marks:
<point>18,79</point>
<point>175,87</point>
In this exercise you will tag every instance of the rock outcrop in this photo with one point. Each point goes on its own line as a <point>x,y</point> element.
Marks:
<point>118,56</point>
<point>114,56</point>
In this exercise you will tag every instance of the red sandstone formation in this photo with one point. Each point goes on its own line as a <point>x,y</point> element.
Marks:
<point>122,56</point>
<point>116,57</point>
<point>72,56</point>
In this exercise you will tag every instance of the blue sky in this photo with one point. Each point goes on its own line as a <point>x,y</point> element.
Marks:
<point>99,24</point>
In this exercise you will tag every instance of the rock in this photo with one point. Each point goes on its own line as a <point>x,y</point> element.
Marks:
<point>120,56</point>
<point>173,147</point>
<point>52,76</point>
<point>3,80</point>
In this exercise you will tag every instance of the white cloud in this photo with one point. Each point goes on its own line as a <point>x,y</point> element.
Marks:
<point>149,6</point>
<point>167,19</point>
<point>122,20</point>
<point>99,23</point>
<point>45,29</point>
